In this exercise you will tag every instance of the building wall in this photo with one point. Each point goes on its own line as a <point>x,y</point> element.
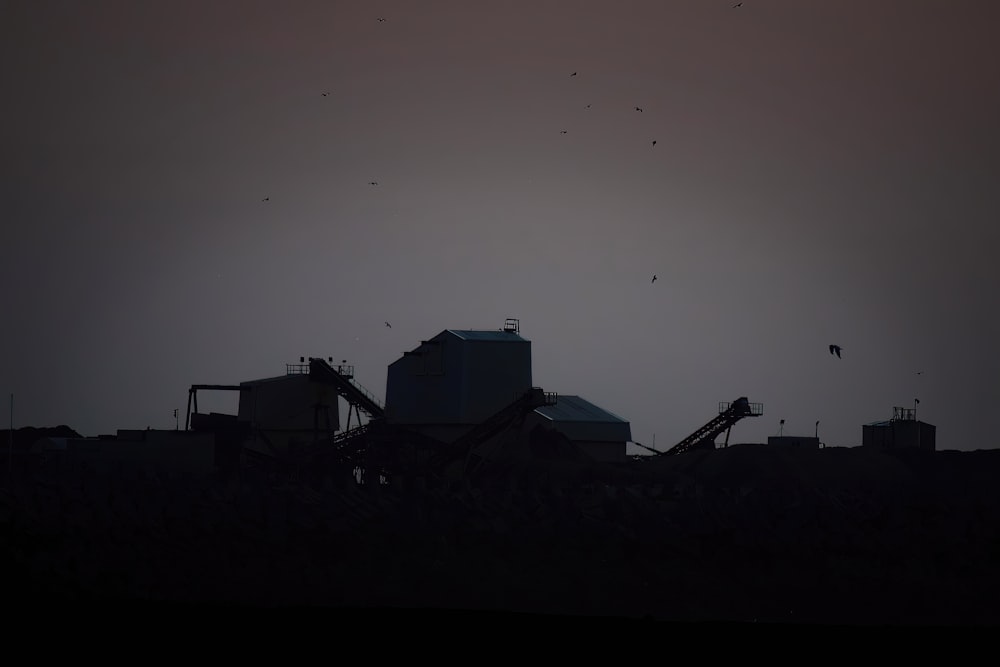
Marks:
<point>450,380</point>
<point>281,412</point>
<point>495,374</point>
<point>424,386</point>
<point>288,402</point>
<point>899,434</point>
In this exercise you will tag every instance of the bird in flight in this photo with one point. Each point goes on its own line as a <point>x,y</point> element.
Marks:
<point>388,325</point>
<point>562,131</point>
<point>266,199</point>
<point>587,107</point>
<point>738,4</point>
<point>573,74</point>
<point>654,142</point>
<point>835,349</point>
<point>639,109</point>
<point>372,182</point>
<point>324,94</point>
<point>653,280</point>
<point>381,20</point>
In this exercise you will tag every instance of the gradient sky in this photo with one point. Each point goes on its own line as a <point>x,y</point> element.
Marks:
<point>824,172</point>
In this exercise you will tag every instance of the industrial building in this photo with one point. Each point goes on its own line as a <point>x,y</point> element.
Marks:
<point>460,389</point>
<point>903,431</point>
<point>598,433</point>
<point>459,379</point>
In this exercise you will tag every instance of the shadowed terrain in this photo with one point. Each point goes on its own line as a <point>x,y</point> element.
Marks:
<point>744,534</point>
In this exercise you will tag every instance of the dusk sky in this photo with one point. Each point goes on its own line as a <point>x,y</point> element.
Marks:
<point>823,173</point>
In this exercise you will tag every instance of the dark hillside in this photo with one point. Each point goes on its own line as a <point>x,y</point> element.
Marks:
<point>745,534</point>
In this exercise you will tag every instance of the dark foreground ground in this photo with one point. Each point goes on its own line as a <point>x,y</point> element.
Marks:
<point>840,542</point>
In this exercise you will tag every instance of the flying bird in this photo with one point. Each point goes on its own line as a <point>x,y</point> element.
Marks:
<point>266,199</point>
<point>381,20</point>
<point>562,131</point>
<point>587,107</point>
<point>653,280</point>
<point>324,94</point>
<point>639,109</point>
<point>654,142</point>
<point>573,74</point>
<point>388,325</point>
<point>372,182</point>
<point>738,4</point>
<point>835,349</point>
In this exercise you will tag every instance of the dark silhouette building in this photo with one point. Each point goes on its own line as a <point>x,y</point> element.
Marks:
<point>903,431</point>
<point>797,441</point>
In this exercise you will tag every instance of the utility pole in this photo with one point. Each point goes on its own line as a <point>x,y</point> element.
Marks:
<point>177,424</point>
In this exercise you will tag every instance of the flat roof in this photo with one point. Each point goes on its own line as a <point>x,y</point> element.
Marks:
<point>498,335</point>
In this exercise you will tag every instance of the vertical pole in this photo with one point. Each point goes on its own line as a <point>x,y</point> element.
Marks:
<point>10,442</point>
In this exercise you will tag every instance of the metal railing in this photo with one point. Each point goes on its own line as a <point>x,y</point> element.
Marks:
<point>755,409</point>
<point>368,394</point>
<point>347,370</point>
<point>548,397</point>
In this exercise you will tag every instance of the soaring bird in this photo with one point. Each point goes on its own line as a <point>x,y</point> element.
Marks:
<point>381,20</point>
<point>573,74</point>
<point>654,142</point>
<point>653,280</point>
<point>562,131</point>
<point>388,325</point>
<point>835,349</point>
<point>738,4</point>
<point>324,94</point>
<point>587,107</point>
<point>266,199</point>
<point>639,109</point>
<point>372,182</point>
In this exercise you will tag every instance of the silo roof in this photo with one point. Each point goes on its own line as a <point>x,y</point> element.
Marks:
<point>576,409</point>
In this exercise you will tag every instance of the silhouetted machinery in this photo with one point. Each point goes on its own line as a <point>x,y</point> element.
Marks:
<point>729,414</point>
<point>514,412</point>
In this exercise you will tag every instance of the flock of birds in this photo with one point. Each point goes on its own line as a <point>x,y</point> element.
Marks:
<point>834,349</point>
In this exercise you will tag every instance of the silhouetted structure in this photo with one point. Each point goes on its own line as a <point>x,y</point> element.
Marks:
<point>130,451</point>
<point>457,379</point>
<point>903,431</point>
<point>796,441</point>
<point>729,414</point>
<point>598,433</point>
